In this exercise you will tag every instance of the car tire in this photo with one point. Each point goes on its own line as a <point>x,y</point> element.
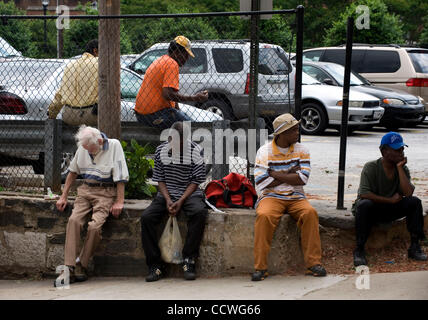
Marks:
<point>218,107</point>
<point>314,119</point>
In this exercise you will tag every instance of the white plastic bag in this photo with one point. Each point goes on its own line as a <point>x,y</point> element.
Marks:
<point>170,243</point>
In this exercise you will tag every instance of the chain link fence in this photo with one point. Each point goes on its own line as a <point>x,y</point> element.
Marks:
<point>209,81</point>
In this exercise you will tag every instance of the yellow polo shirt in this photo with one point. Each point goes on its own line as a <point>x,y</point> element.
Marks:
<point>79,85</point>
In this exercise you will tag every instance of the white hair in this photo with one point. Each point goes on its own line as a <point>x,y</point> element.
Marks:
<point>87,136</point>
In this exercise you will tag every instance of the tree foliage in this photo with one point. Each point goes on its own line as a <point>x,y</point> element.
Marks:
<point>15,32</point>
<point>384,27</point>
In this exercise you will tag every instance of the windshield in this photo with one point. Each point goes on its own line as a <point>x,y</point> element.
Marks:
<point>419,60</point>
<point>307,79</point>
<point>338,73</point>
<point>6,50</point>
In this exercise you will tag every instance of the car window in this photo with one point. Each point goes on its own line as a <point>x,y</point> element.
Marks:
<point>316,73</point>
<point>338,73</point>
<point>314,55</point>
<point>420,60</point>
<point>338,56</point>
<point>381,61</point>
<point>198,64</point>
<point>130,83</point>
<point>306,79</point>
<point>140,66</point>
<point>228,60</point>
<point>273,61</point>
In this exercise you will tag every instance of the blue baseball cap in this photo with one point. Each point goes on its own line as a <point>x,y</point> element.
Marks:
<point>393,139</point>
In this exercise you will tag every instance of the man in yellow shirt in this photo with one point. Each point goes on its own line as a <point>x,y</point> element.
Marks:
<point>78,93</point>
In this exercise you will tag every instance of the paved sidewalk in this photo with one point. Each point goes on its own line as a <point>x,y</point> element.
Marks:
<point>407,285</point>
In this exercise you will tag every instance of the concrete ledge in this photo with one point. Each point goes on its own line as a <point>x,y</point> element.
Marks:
<point>32,237</point>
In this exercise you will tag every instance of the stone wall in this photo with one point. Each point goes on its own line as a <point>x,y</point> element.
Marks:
<point>32,237</point>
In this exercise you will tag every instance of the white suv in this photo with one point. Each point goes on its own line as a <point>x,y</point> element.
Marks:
<point>222,67</point>
<point>392,66</point>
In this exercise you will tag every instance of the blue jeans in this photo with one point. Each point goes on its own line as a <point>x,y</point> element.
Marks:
<point>162,119</point>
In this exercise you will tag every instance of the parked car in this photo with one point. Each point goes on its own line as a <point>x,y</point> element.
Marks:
<point>391,66</point>
<point>31,103</point>
<point>7,51</point>
<point>222,68</point>
<point>322,107</point>
<point>401,108</point>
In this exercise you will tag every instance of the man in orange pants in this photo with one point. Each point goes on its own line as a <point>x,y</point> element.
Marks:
<point>282,168</point>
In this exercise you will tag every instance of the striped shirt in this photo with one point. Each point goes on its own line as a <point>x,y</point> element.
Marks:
<point>276,158</point>
<point>109,165</point>
<point>178,170</point>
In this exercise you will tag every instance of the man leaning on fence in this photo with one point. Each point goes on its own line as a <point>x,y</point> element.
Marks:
<point>101,162</point>
<point>178,177</point>
<point>282,168</point>
<point>78,93</point>
<point>157,100</point>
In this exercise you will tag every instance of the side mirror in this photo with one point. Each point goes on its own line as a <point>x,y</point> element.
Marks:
<point>329,82</point>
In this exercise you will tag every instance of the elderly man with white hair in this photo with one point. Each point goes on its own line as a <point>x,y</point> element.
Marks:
<point>101,162</point>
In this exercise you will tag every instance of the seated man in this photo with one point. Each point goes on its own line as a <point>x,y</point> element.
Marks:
<point>156,103</point>
<point>282,168</point>
<point>178,182</point>
<point>384,195</point>
<point>102,164</point>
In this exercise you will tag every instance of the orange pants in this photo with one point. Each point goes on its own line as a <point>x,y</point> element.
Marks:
<point>269,211</point>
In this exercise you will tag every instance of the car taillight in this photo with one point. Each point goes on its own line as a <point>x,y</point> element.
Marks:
<point>417,82</point>
<point>11,104</point>
<point>247,84</point>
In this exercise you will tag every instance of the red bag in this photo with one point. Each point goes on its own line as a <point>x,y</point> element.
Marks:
<point>233,191</point>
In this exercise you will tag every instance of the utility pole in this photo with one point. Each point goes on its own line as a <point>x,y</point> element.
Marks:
<point>109,70</point>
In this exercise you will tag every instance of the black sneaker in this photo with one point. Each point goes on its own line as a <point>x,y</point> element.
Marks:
<point>155,274</point>
<point>359,258</point>
<point>316,271</point>
<point>259,275</point>
<point>415,252</point>
<point>189,269</point>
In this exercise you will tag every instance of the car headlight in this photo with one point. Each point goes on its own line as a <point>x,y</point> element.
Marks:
<point>352,104</point>
<point>393,102</point>
<point>421,100</point>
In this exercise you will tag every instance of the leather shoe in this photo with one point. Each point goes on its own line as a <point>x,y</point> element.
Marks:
<point>259,275</point>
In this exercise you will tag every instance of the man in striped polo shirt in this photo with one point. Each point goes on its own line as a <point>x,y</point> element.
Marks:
<point>282,168</point>
<point>101,162</point>
<point>178,176</point>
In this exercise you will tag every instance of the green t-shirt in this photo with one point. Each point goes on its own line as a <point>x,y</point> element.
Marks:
<point>373,179</point>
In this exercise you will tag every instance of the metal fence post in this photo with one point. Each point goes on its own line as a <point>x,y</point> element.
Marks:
<point>53,154</point>
<point>219,166</point>
<point>254,64</point>
<point>299,63</point>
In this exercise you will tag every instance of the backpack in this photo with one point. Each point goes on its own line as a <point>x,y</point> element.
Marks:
<point>233,191</point>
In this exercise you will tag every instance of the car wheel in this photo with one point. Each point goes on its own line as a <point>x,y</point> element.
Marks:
<point>314,119</point>
<point>218,107</point>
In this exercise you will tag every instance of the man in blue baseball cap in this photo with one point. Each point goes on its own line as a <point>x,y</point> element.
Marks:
<point>385,194</point>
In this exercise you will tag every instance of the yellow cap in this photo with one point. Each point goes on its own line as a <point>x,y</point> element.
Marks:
<point>184,42</point>
<point>283,122</point>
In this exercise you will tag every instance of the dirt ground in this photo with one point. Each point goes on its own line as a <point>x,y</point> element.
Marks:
<point>338,259</point>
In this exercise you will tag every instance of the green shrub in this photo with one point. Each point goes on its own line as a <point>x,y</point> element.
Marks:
<point>138,166</point>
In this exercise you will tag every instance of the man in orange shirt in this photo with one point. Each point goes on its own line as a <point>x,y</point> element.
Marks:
<point>156,103</point>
